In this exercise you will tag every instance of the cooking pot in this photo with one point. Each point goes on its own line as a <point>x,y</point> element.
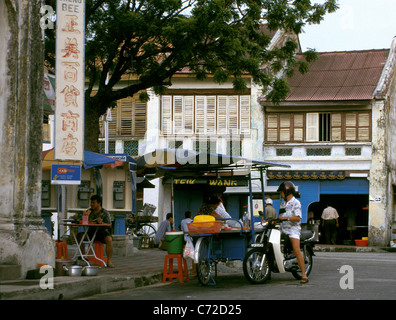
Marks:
<point>73,271</point>
<point>90,271</point>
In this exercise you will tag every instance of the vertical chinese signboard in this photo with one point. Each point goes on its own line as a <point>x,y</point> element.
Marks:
<point>69,123</point>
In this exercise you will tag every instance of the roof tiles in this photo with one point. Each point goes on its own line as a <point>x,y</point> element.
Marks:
<point>350,75</point>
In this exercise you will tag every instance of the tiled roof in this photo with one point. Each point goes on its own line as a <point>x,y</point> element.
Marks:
<point>348,75</point>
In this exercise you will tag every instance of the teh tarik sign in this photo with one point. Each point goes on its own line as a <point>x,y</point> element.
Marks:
<point>70,41</point>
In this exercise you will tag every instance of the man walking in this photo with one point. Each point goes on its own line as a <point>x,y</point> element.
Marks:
<point>330,224</point>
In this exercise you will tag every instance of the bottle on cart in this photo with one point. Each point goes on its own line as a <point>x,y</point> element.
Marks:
<point>246,220</point>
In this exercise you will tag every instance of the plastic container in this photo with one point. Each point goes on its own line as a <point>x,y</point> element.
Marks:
<point>361,243</point>
<point>174,242</point>
<point>204,227</point>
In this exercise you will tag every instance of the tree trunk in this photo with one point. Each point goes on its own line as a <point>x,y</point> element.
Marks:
<point>93,110</point>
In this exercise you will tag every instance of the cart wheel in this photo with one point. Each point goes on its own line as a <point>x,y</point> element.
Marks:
<point>255,266</point>
<point>203,265</point>
<point>146,230</point>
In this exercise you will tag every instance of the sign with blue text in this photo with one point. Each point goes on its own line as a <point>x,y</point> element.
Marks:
<point>66,174</point>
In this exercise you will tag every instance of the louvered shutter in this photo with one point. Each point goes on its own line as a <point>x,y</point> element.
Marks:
<point>140,114</point>
<point>200,114</point>
<point>232,109</point>
<point>222,115</point>
<point>272,128</point>
<point>350,126</point>
<point>178,114</point>
<point>244,114</point>
<point>113,124</point>
<point>188,114</point>
<point>210,114</point>
<point>336,126</point>
<point>364,127</point>
<point>298,131</point>
<point>312,127</point>
<point>126,117</point>
<point>166,116</point>
<point>284,124</point>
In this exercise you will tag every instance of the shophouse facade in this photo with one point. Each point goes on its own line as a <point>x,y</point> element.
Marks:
<point>335,130</point>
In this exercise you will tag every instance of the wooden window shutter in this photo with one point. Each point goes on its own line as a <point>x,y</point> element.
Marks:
<point>222,114</point>
<point>336,126</point>
<point>166,115</point>
<point>113,124</point>
<point>140,114</point>
<point>244,114</point>
<point>126,113</point>
<point>364,127</point>
<point>284,127</point>
<point>350,126</point>
<point>199,114</point>
<point>272,128</point>
<point>298,127</point>
<point>312,127</point>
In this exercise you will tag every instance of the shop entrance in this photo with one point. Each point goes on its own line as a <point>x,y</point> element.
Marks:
<point>353,215</point>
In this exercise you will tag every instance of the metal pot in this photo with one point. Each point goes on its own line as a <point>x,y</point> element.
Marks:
<point>73,271</point>
<point>90,271</point>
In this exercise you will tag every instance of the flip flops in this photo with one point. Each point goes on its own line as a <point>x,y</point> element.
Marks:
<point>304,280</point>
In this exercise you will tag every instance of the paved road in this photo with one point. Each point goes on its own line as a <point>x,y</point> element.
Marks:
<point>342,276</point>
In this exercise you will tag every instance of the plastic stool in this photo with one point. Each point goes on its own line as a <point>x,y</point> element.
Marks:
<point>98,246</point>
<point>180,271</point>
<point>61,250</point>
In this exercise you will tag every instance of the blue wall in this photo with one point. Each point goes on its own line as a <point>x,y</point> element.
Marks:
<point>310,190</point>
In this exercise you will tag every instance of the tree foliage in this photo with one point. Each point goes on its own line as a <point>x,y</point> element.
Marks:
<point>154,39</point>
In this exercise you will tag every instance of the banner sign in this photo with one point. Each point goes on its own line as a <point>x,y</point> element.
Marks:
<point>69,114</point>
<point>306,175</point>
<point>224,182</point>
<point>65,174</point>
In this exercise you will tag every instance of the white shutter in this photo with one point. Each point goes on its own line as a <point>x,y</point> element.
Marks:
<point>126,117</point>
<point>244,113</point>
<point>166,116</point>
<point>312,127</point>
<point>200,114</point>
<point>222,114</point>
<point>211,114</point>
<point>178,114</point>
<point>188,114</point>
<point>232,114</point>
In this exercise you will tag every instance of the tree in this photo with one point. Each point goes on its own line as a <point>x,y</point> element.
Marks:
<point>154,39</point>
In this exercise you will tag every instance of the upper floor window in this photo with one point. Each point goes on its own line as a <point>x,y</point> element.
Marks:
<point>205,114</point>
<point>315,127</point>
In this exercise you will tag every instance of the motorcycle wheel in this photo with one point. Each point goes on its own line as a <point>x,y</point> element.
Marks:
<point>251,266</point>
<point>308,265</point>
<point>203,265</point>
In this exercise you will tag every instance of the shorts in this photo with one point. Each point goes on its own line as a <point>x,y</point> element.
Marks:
<point>100,235</point>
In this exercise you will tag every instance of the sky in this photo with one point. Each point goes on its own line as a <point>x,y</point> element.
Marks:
<point>356,25</point>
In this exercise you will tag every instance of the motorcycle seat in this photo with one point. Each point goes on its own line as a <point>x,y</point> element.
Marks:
<point>306,234</point>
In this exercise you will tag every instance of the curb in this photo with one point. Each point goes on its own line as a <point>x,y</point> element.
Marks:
<point>69,288</point>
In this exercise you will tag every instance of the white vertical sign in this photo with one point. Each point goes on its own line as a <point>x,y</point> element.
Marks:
<point>69,123</point>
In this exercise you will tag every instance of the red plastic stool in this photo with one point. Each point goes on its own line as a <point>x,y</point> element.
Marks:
<point>99,253</point>
<point>61,250</point>
<point>180,270</point>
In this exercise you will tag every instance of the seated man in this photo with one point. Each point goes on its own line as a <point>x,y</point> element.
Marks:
<point>99,215</point>
<point>214,206</point>
<point>165,226</point>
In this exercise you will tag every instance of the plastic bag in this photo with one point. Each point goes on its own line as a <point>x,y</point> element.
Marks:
<point>189,249</point>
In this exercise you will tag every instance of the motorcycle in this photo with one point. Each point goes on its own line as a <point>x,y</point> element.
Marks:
<point>272,252</point>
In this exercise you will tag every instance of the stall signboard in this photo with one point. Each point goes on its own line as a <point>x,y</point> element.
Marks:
<point>306,175</point>
<point>69,113</point>
<point>66,174</point>
<point>222,182</point>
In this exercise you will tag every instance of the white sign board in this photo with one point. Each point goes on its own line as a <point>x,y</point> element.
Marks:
<point>69,122</point>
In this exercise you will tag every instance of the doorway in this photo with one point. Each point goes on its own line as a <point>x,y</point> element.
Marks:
<point>353,216</point>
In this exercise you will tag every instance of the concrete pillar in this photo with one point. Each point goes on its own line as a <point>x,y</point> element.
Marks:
<point>24,240</point>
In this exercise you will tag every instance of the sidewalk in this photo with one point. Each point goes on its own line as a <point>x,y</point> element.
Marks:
<point>144,268</point>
